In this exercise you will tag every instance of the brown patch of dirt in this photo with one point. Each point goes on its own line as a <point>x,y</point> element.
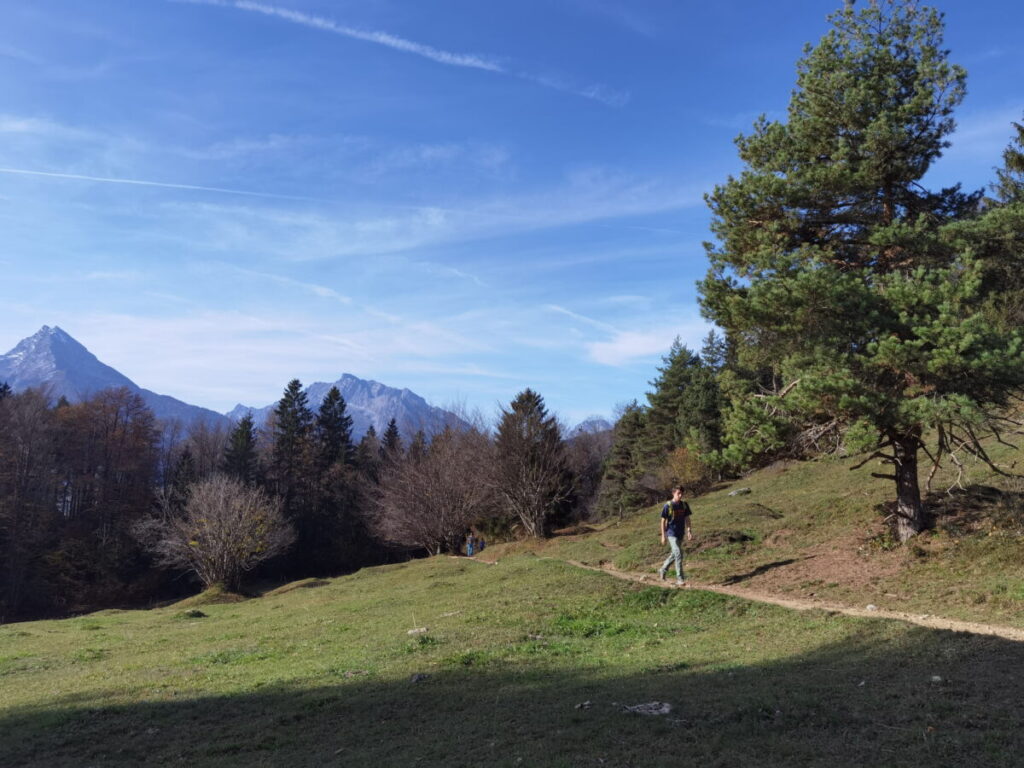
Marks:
<point>714,539</point>
<point>839,561</point>
<point>775,538</point>
<point>573,530</point>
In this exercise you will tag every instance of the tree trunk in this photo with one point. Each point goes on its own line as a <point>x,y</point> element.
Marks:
<point>909,509</point>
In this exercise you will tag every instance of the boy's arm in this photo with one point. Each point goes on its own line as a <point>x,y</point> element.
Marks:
<point>664,522</point>
<point>686,527</point>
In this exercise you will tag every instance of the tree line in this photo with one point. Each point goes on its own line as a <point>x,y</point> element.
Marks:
<point>102,505</point>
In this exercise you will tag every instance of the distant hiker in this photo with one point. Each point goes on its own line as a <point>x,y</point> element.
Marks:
<point>675,524</point>
<point>470,541</point>
<point>481,544</point>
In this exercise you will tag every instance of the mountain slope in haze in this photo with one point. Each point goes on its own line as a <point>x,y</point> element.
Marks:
<point>51,358</point>
<point>370,403</point>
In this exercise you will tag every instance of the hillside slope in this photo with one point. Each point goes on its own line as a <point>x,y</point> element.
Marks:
<point>815,530</point>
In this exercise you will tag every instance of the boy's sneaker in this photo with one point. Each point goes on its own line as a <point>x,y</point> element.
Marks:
<point>680,582</point>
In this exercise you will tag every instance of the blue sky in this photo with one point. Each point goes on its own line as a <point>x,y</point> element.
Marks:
<point>464,198</point>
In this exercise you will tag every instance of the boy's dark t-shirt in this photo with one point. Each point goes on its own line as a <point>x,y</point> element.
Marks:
<point>676,513</point>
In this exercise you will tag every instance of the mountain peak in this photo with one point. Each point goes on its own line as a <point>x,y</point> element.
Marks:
<point>53,359</point>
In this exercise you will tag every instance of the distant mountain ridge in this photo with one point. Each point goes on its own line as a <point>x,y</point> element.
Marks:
<point>51,358</point>
<point>369,403</point>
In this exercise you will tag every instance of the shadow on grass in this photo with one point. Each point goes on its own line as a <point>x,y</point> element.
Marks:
<point>913,698</point>
<point>741,577</point>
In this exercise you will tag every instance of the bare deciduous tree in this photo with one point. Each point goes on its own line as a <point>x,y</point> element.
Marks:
<point>432,499</point>
<point>531,473</point>
<point>227,529</point>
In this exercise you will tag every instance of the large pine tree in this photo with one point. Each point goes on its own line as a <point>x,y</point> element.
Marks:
<point>839,270</point>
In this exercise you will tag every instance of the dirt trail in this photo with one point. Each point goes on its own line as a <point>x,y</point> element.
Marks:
<point>924,620</point>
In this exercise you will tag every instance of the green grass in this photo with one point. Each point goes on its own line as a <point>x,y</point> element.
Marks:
<point>324,677</point>
<point>968,567</point>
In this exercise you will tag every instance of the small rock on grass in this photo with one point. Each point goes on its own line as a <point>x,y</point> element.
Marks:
<point>740,492</point>
<point>585,705</point>
<point>419,677</point>
<point>650,708</point>
<point>872,607</point>
<point>417,631</point>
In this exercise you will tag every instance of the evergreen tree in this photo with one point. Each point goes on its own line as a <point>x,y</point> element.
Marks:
<point>391,448</point>
<point>334,431</point>
<point>240,457</point>
<point>531,472</point>
<point>183,476</point>
<point>292,427</point>
<point>1009,187</point>
<point>5,390</point>
<point>714,352</point>
<point>368,455</point>
<point>684,407</point>
<point>666,399</point>
<point>837,269</point>
<point>620,484</point>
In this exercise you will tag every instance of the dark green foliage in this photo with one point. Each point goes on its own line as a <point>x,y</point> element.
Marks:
<point>334,431</point>
<point>241,460</point>
<point>531,473</point>
<point>368,455</point>
<point>620,486</point>
<point>1009,187</point>
<point>292,433</point>
<point>835,269</point>
<point>183,475</point>
<point>5,390</point>
<point>684,408</point>
<point>391,448</point>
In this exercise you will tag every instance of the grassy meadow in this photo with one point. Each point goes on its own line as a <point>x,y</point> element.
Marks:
<point>529,662</point>
<point>815,530</point>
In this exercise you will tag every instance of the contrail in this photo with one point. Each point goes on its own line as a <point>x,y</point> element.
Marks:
<point>162,184</point>
<point>594,92</point>
<point>386,39</point>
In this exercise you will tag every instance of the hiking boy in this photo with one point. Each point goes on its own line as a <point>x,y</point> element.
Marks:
<point>675,524</point>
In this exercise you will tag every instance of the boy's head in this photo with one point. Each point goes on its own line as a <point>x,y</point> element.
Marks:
<point>677,493</point>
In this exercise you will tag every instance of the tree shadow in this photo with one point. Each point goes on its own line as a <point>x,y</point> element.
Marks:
<point>877,698</point>
<point>741,577</point>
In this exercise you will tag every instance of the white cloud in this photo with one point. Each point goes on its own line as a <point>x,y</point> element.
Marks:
<point>631,346</point>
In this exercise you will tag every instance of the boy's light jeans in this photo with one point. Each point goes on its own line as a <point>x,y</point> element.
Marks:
<point>676,554</point>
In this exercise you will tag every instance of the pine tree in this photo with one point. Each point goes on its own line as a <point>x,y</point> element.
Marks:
<point>240,457</point>
<point>839,271</point>
<point>1009,187</point>
<point>292,427</point>
<point>5,390</point>
<point>391,448</point>
<point>334,431</point>
<point>368,455</point>
<point>620,484</point>
<point>531,471</point>
<point>667,397</point>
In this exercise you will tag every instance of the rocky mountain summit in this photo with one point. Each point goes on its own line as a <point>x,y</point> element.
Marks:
<point>53,359</point>
<point>369,403</point>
